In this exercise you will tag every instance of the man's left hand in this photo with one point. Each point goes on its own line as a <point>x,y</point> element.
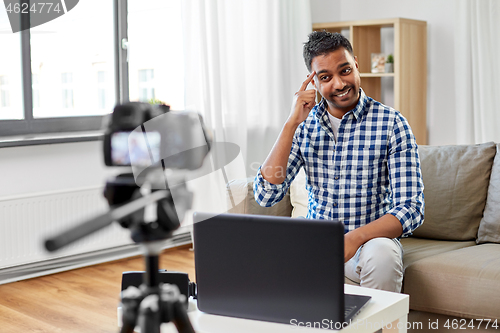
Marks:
<point>351,245</point>
<point>386,226</point>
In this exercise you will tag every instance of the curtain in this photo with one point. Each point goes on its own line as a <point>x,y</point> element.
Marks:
<point>477,70</point>
<point>243,65</point>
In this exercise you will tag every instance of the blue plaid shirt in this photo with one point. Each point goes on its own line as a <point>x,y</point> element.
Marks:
<point>373,169</point>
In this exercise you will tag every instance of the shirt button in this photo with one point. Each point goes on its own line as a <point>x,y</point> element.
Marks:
<point>334,204</point>
<point>336,177</point>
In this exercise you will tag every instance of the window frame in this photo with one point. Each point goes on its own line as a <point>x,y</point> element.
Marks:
<point>32,126</point>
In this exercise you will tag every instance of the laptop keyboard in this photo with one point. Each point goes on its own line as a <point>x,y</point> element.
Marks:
<point>348,309</point>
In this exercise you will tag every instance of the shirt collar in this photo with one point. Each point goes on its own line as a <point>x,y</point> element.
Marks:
<point>359,110</point>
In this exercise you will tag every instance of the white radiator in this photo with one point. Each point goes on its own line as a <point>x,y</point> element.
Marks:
<point>26,221</point>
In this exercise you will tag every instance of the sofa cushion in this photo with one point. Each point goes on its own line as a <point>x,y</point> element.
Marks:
<point>456,182</point>
<point>489,228</point>
<point>242,201</point>
<point>298,195</point>
<point>462,282</point>
<point>415,248</point>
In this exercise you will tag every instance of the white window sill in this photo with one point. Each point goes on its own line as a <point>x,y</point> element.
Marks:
<point>49,138</point>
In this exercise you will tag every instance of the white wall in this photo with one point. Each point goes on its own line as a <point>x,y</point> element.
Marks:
<point>47,168</point>
<point>439,16</point>
<point>325,10</point>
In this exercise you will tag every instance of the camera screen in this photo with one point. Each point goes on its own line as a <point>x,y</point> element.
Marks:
<point>135,148</point>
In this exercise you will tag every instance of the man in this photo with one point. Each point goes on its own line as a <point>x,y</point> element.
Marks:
<point>361,162</point>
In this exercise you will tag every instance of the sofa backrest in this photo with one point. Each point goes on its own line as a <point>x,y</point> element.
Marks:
<point>456,180</point>
<point>489,228</point>
<point>241,200</point>
<point>459,181</point>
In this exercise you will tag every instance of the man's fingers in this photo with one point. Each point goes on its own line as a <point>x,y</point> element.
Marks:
<point>307,81</point>
<point>306,97</point>
<point>308,94</point>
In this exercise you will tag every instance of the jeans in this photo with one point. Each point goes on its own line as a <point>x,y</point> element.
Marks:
<point>377,264</point>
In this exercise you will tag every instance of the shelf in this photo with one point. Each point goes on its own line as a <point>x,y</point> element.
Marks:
<point>376,74</point>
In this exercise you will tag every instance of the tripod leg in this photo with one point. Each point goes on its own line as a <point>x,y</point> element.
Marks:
<point>173,308</point>
<point>131,298</point>
<point>149,314</point>
<point>127,328</point>
<point>151,277</point>
<point>181,319</point>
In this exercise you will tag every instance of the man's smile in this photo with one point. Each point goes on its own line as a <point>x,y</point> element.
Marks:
<point>342,94</point>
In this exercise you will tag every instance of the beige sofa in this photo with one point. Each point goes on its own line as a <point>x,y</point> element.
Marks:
<point>452,262</point>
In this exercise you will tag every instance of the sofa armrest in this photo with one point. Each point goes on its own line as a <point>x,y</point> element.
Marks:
<point>240,199</point>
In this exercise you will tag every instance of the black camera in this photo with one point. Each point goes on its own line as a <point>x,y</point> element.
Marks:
<point>150,139</point>
<point>142,136</point>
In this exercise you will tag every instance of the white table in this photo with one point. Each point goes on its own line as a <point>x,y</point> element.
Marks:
<point>385,310</point>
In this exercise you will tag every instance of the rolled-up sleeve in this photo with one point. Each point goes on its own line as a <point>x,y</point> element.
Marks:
<point>406,178</point>
<point>267,194</point>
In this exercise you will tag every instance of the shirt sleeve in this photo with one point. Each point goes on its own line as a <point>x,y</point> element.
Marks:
<point>406,177</point>
<point>267,194</point>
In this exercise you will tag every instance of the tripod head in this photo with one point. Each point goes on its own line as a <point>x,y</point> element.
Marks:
<point>162,218</point>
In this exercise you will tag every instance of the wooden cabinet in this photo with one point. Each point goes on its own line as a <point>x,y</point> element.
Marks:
<point>410,64</point>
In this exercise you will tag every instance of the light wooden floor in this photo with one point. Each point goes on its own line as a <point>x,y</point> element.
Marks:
<point>82,300</point>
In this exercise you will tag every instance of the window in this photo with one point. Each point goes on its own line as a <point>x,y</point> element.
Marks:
<point>101,90</point>
<point>67,90</point>
<point>64,54</point>
<point>155,58</point>
<point>49,70</point>
<point>4,92</point>
<point>146,85</point>
<point>64,75</point>
<point>11,95</point>
<point>36,91</point>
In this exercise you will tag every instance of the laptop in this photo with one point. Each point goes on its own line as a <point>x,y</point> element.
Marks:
<point>277,269</point>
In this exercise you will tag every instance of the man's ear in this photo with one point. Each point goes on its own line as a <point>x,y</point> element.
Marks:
<point>313,82</point>
<point>356,61</point>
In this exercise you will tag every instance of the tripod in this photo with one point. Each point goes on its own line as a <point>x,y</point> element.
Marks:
<point>152,303</point>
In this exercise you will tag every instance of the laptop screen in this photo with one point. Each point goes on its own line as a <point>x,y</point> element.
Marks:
<point>269,268</point>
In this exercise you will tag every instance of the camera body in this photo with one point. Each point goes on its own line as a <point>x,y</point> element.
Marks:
<point>121,123</point>
<point>142,136</point>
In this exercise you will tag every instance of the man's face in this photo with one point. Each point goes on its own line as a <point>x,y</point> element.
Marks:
<point>337,79</point>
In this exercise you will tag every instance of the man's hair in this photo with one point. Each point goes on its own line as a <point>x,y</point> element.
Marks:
<point>322,43</point>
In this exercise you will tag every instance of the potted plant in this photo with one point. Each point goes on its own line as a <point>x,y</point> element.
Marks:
<point>389,64</point>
